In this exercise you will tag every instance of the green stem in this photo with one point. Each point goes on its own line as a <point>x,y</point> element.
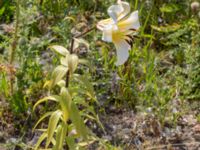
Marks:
<point>136,5</point>
<point>14,43</point>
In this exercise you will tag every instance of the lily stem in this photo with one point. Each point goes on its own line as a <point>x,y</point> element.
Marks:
<point>71,51</point>
<point>78,36</point>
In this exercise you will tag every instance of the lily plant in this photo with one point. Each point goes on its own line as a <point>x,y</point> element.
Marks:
<point>120,28</point>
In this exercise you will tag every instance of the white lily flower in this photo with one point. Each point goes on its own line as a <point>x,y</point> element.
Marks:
<point>119,29</point>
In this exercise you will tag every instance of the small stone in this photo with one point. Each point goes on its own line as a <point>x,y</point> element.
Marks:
<point>13,140</point>
<point>2,138</point>
<point>126,137</point>
<point>196,128</point>
<point>73,132</point>
<point>197,137</point>
<point>107,137</point>
<point>126,131</point>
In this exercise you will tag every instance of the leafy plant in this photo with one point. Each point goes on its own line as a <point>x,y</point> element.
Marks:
<point>67,111</point>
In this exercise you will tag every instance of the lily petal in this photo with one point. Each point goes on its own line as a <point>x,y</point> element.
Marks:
<point>114,11</point>
<point>122,52</point>
<point>104,23</point>
<point>120,28</point>
<point>132,22</point>
<point>107,33</point>
<point>126,9</point>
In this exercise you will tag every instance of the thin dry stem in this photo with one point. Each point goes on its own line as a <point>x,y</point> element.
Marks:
<point>14,44</point>
<point>71,51</point>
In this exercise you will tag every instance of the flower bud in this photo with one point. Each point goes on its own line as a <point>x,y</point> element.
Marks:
<point>195,6</point>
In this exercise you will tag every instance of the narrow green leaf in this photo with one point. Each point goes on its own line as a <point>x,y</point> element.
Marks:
<point>70,18</point>
<point>64,61</point>
<point>48,84</point>
<point>60,50</point>
<point>73,62</point>
<point>86,83</point>
<point>65,103</point>
<point>84,144</point>
<point>4,84</point>
<point>53,141</point>
<point>80,41</point>
<point>78,121</point>
<point>42,118</point>
<point>71,142</point>
<point>41,138</point>
<point>58,73</point>
<point>58,140</point>
<point>41,130</point>
<point>169,8</point>
<point>52,98</point>
<point>166,28</point>
<point>2,10</point>
<point>53,121</point>
<point>61,83</point>
<point>60,136</point>
<point>86,63</point>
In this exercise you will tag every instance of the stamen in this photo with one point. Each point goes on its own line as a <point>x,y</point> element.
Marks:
<point>133,29</point>
<point>131,37</point>
<point>130,42</point>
